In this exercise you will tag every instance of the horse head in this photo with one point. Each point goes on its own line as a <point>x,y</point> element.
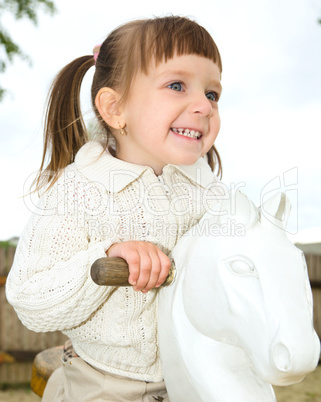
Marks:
<point>245,284</point>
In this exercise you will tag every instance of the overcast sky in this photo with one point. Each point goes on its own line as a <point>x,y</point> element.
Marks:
<point>270,106</point>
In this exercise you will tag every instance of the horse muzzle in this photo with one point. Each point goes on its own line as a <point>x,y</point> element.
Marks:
<point>292,362</point>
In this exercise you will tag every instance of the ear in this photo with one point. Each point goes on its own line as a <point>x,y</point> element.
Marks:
<point>238,208</point>
<point>107,105</point>
<point>276,211</point>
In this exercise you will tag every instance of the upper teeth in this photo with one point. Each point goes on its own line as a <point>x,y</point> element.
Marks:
<point>187,132</point>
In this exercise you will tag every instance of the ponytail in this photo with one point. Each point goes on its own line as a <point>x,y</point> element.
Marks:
<point>65,130</point>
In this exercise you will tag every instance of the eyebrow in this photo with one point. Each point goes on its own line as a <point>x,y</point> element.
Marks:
<point>187,74</point>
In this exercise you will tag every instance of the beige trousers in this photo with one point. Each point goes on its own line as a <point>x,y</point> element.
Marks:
<point>77,381</point>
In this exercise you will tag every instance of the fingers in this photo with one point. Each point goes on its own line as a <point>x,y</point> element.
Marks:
<point>148,265</point>
<point>160,266</point>
<point>149,272</point>
<point>166,266</point>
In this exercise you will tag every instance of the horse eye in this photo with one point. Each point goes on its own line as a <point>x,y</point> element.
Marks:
<point>241,266</point>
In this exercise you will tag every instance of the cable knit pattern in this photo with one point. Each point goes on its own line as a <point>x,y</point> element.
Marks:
<point>97,201</point>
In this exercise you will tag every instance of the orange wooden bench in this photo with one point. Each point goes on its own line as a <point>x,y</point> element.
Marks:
<point>44,364</point>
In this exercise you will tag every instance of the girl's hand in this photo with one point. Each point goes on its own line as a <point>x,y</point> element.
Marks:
<point>148,265</point>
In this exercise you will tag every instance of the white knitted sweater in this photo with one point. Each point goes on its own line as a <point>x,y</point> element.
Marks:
<point>97,201</point>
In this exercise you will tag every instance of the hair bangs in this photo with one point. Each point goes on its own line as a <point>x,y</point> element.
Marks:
<point>172,36</point>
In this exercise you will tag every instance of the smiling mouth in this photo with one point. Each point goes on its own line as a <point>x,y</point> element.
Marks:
<point>187,133</point>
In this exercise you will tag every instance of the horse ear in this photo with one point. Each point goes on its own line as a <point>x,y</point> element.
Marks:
<point>276,210</point>
<point>238,208</point>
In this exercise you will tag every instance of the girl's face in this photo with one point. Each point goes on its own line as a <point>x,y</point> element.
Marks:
<point>172,114</point>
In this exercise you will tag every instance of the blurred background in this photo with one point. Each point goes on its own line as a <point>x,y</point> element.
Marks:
<point>270,106</point>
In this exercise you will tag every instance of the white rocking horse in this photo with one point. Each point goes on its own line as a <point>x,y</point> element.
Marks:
<point>238,316</point>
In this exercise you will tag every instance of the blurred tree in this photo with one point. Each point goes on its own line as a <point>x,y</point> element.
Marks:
<point>20,9</point>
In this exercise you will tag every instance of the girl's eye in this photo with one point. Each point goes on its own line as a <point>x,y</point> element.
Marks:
<point>212,96</point>
<point>176,86</point>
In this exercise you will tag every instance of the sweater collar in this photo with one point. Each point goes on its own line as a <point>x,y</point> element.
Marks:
<point>99,166</point>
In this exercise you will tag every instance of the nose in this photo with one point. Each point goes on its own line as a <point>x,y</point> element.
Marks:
<point>296,356</point>
<point>281,357</point>
<point>202,105</point>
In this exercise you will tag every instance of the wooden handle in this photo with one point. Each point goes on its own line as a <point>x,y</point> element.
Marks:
<point>113,271</point>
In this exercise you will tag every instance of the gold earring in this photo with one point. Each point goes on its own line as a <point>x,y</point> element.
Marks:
<point>122,131</point>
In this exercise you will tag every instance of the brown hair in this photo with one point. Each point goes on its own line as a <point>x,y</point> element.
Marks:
<point>126,51</point>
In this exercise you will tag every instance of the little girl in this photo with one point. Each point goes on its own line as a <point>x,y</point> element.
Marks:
<point>155,93</point>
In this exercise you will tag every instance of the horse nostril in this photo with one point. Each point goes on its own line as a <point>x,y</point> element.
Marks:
<point>281,357</point>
